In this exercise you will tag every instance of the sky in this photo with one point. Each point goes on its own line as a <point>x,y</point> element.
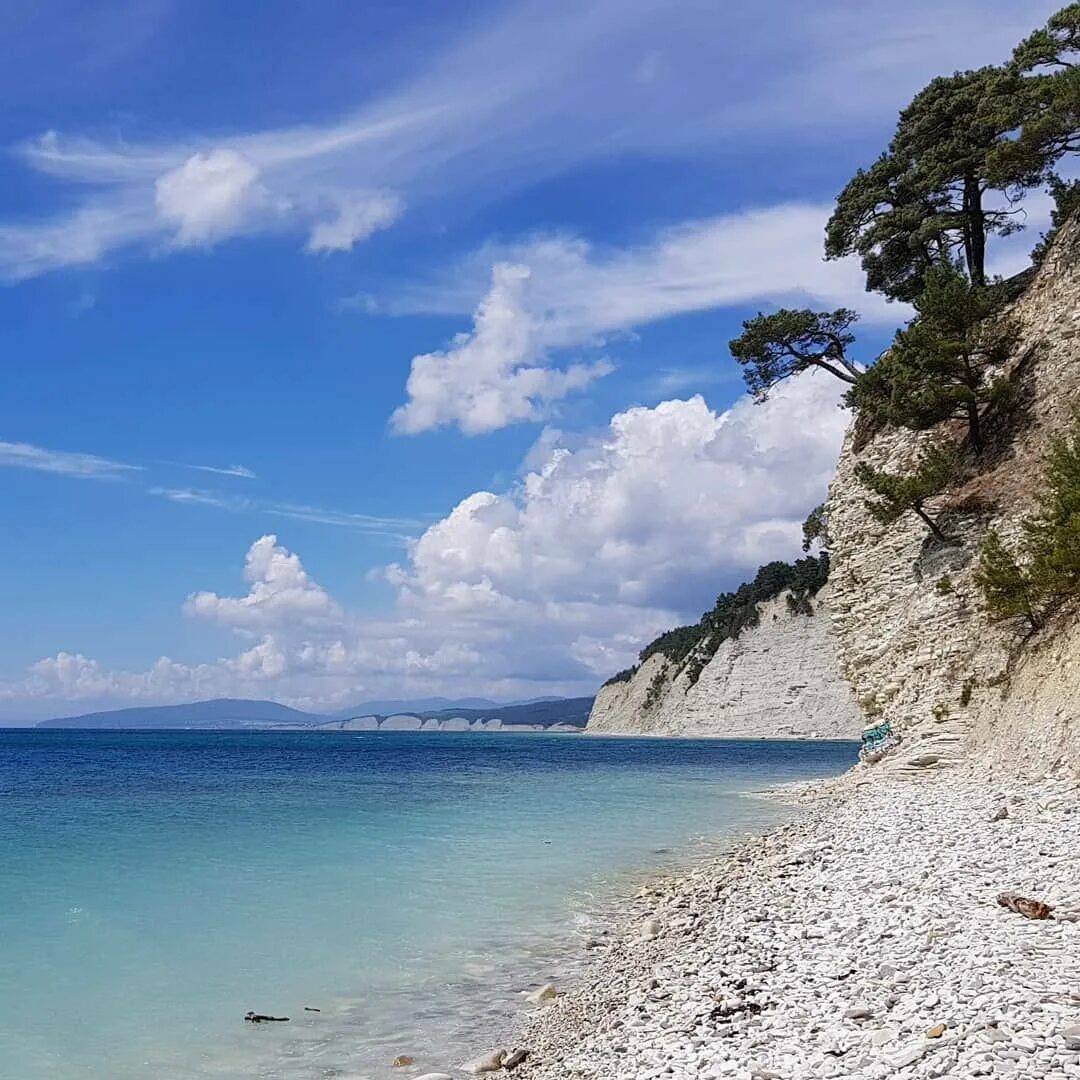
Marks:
<point>364,349</point>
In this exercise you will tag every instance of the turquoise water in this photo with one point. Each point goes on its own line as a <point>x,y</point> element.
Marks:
<point>154,887</point>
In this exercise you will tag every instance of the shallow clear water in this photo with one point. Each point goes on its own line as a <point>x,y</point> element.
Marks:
<point>156,886</point>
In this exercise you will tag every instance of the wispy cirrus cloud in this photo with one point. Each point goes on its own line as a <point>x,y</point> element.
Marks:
<point>543,87</point>
<point>83,466</point>
<point>18,455</point>
<point>240,471</point>
<point>400,528</point>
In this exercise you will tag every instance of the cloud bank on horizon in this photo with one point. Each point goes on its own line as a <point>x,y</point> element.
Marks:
<point>558,581</point>
<point>624,517</point>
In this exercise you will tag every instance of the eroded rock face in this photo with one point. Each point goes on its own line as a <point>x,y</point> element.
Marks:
<point>912,638</point>
<point>778,680</point>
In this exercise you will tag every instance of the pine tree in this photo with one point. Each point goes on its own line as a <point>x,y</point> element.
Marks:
<point>775,347</point>
<point>926,197</point>
<point>1052,535</point>
<point>901,493</point>
<point>942,366</point>
<point>1008,589</point>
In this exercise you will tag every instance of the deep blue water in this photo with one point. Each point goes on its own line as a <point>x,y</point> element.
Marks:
<point>156,886</point>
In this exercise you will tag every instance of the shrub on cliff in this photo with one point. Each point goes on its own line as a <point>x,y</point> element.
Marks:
<point>902,493</point>
<point>1046,570</point>
<point>621,676</point>
<point>1007,588</point>
<point>1052,534</point>
<point>1066,196</point>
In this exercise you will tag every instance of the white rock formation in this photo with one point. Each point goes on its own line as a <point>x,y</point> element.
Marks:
<point>778,680</point>
<point>912,637</point>
<point>400,722</point>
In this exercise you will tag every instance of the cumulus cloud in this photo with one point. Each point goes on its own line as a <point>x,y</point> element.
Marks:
<point>281,592</point>
<point>608,538</point>
<point>357,217</point>
<point>494,375</point>
<point>560,292</point>
<point>656,507</point>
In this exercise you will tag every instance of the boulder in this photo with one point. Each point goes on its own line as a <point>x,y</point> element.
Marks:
<point>488,1063</point>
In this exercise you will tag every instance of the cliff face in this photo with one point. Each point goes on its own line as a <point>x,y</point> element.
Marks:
<point>778,680</point>
<point>913,640</point>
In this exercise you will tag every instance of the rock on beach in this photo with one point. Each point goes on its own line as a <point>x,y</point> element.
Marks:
<point>862,940</point>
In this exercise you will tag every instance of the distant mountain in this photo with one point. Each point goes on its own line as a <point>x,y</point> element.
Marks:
<point>232,714</point>
<point>219,713</point>
<point>414,706</point>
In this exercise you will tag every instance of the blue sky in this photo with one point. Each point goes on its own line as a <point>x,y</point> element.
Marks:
<point>367,349</point>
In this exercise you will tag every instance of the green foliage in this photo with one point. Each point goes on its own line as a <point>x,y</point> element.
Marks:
<point>941,365</point>
<point>774,347</point>
<point>692,647</point>
<point>815,529</point>
<point>1045,68</point>
<point>1047,571</point>
<point>622,676</point>
<point>1052,535</point>
<point>901,493</point>
<point>656,689</point>
<point>1066,196</point>
<point>944,586</point>
<point>1007,588</point>
<point>926,196</point>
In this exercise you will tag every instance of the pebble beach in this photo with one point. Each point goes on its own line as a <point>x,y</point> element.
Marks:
<point>864,939</point>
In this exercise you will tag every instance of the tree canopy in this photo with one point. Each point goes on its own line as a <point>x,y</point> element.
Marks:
<point>925,198</point>
<point>943,365</point>
<point>1046,66</point>
<point>774,347</point>
<point>736,611</point>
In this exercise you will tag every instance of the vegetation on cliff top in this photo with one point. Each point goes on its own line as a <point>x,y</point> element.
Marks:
<point>965,153</point>
<point>692,647</point>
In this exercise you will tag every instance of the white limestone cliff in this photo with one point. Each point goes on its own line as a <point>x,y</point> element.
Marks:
<point>777,680</point>
<point>913,639</point>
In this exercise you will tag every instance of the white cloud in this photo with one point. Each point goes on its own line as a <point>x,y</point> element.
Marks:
<point>281,592</point>
<point>578,290</point>
<point>545,86</point>
<point>62,462</point>
<point>494,375</point>
<point>396,527</point>
<point>357,218</point>
<point>607,539</point>
<point>208,196</point>
<point>558,292</point>
<point>657,507</point>
<point>240,471</point>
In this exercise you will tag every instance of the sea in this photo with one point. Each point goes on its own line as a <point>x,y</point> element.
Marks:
<point>391,893</point>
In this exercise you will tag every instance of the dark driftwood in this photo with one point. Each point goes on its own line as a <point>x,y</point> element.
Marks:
<point>259,1018</point>
<point>1023,905</point>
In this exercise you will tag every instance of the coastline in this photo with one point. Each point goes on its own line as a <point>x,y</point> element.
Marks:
<point>861,939</point>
